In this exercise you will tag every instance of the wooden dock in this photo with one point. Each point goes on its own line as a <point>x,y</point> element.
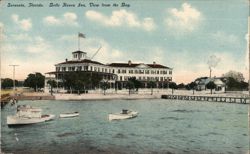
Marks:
<point>5,99</point>
<point>241,100</point>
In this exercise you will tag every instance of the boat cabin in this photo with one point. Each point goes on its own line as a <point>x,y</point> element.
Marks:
<point>28,111</point>
<point>124,111</point>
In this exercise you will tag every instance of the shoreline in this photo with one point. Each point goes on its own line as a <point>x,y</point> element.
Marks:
<point>122,94</point>
<point>83,97</point>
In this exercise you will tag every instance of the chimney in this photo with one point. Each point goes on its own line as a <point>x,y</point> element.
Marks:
<point>129,62</point>
<point>154,63</point>
<point>66,59</point>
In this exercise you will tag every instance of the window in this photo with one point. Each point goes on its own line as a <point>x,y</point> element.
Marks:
<point>120,78</point>
<point>118,71</point>
<point>90,68</point>
<point>170,72</point>
<point>85,68</point>
<point>124,71</point>
<point>146,71</point>
<point>79,68</point>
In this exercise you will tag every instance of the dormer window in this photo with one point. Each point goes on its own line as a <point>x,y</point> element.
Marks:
<point>79,55</point>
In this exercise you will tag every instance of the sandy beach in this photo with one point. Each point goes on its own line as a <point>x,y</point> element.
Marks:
<point>124,94</point>
<point>142,94</point>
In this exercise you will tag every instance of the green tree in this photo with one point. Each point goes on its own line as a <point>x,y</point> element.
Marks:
<point>192,86</point>
<point>52,84</point>
<point>211,85</point>
<point>238,76</point>
<point>137,83</point>
<point>78,81</point>
<point>152,84</point>
<point>181,86</point>
<point>130,85</point>
<point>8,83</point>
<point>104,86</point>
<point>35,81</point>
<point>173,86</point>
<point>232,84</point>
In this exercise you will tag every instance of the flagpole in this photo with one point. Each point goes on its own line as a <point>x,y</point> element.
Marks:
<point>78,42</point>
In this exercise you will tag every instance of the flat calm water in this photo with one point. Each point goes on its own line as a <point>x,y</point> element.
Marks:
<point>163,126</point>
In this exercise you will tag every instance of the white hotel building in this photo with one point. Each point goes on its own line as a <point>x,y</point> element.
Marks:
<point>114,73</point>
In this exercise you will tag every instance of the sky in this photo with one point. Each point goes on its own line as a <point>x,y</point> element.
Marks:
<point>183,35</point>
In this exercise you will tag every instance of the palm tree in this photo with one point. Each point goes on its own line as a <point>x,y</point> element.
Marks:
<point>52,84</point>
<point>130,85</point>
<point>152,84</point>
<point>104,86</point>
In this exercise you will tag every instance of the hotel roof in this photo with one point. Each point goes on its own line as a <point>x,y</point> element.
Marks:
<point>78,51</point>
<point>134,65</point>
<point>80,61</point>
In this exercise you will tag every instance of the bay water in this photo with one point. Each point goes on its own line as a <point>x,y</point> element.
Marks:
<point>162,126</point>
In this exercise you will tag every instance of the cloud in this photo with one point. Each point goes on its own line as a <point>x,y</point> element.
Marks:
<point>121,18</point>
<point>106,54</point>
<point>33,53</point>
<point>185,19</point>
<point>225,38</point>
<point>247,52</point>
<point>39,45</point>
<point>1,25</point>
<point>25,67</point>
<point>24,24</point>
<point>67,18</point>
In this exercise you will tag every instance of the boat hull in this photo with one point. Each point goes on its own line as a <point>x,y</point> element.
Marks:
<point>120,116</point>
<point>69,115</point>
<point>15,120</point>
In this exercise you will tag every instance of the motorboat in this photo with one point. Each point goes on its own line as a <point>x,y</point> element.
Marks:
<point>26,114</point>
<point>124,114</point>
<point>69,115</point>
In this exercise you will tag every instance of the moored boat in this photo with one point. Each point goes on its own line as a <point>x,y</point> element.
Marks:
<point>125,114</point>
<point>28,115</point>
<point>69,115</point>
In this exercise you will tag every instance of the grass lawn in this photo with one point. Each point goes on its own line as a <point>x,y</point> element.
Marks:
<point>10,91</point>
<point>6,91</point>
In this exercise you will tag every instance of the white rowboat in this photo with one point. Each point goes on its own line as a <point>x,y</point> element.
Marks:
<point>69,115</point>
<point>28,115</point>
<point>125,114</point>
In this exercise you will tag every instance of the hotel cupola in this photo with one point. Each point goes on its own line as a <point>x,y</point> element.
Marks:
<point>79,55</point>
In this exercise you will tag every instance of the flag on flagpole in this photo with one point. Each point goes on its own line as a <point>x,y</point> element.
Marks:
<point>81,35</point>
